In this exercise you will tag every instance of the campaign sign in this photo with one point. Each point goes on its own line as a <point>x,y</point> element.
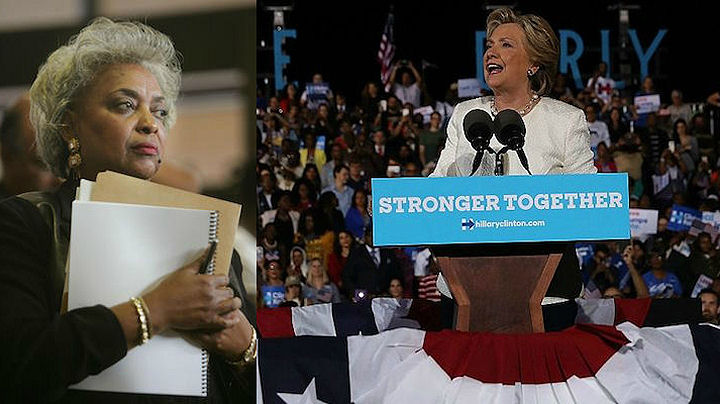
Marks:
<point>461,210</point>
<point>317,94</point>
<point>643,221</point>
<point>647,103</point>
<point>468,88</point>
<point>682,218</point>
<point>425,111</point>
<point>712,218</point>
<point>584,252</point>
<point>273,295</point>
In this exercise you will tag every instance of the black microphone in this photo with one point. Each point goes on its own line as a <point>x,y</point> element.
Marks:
<point>510,132</point>
<point>478,128</point>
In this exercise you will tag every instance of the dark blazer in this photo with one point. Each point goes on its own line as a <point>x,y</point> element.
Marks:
<point>263,204</point>
<point>361,273</point>
<point>44,351</point>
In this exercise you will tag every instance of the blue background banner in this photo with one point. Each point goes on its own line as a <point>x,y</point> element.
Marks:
<point>462,210</point>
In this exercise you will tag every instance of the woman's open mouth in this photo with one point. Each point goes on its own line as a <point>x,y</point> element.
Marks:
<point>494,68</point>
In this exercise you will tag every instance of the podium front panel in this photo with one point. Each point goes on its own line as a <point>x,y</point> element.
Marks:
<point>505,209</point>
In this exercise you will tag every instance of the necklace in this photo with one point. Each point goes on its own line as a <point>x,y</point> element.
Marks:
<point>533,100</point>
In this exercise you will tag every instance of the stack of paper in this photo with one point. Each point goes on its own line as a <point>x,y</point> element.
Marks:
<point>114,187</point>
<point>126,236</point>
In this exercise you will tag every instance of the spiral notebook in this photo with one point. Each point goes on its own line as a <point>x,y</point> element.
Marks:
<point>122,250</point>
<point>114,187</point>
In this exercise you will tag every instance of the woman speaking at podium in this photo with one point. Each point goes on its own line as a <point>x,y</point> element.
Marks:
<point>519,64</point>
<point>104,101</point>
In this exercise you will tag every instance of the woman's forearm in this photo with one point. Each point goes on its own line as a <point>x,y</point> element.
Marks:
<point>44,357</point>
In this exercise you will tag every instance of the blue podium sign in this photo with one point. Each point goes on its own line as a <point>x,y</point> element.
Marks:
<point>506,209</point>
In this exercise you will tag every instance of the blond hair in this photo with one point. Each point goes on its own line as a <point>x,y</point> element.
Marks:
<point>72,67</point>
<point>324,277</point>
<point>540,41</point>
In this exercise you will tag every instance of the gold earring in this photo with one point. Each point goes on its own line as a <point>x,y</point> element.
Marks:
<point>74,160</point>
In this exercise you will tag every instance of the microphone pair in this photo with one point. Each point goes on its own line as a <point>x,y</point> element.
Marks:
<point>508,127</point>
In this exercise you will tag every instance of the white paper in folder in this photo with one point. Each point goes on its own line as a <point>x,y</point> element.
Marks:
<point>120,250</point>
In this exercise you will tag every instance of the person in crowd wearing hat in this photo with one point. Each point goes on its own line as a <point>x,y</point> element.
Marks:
<point>293,292</point>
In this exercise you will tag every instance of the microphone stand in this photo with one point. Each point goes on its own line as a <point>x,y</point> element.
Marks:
<point>499,166</point>
<point>478,158</point>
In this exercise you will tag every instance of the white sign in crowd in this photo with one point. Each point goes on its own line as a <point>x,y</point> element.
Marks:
<point>643,222</point>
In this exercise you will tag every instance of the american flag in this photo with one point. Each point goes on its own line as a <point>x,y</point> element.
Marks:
<point>386,52</point>
<point>375,353</point>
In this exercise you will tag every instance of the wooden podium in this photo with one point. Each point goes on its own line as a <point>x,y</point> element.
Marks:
<point>498,288</point>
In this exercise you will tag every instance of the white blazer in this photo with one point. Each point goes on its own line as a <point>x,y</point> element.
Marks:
<point>557,142</point>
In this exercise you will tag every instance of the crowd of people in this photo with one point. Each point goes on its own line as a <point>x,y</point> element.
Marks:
<point>317,153</point>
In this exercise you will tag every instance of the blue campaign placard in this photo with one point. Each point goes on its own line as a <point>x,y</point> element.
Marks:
<point>682,218</point>
<point>273,295</point>
<point>505,209</point>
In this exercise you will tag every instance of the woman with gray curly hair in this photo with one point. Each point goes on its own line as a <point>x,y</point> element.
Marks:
<point>104,101</point>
